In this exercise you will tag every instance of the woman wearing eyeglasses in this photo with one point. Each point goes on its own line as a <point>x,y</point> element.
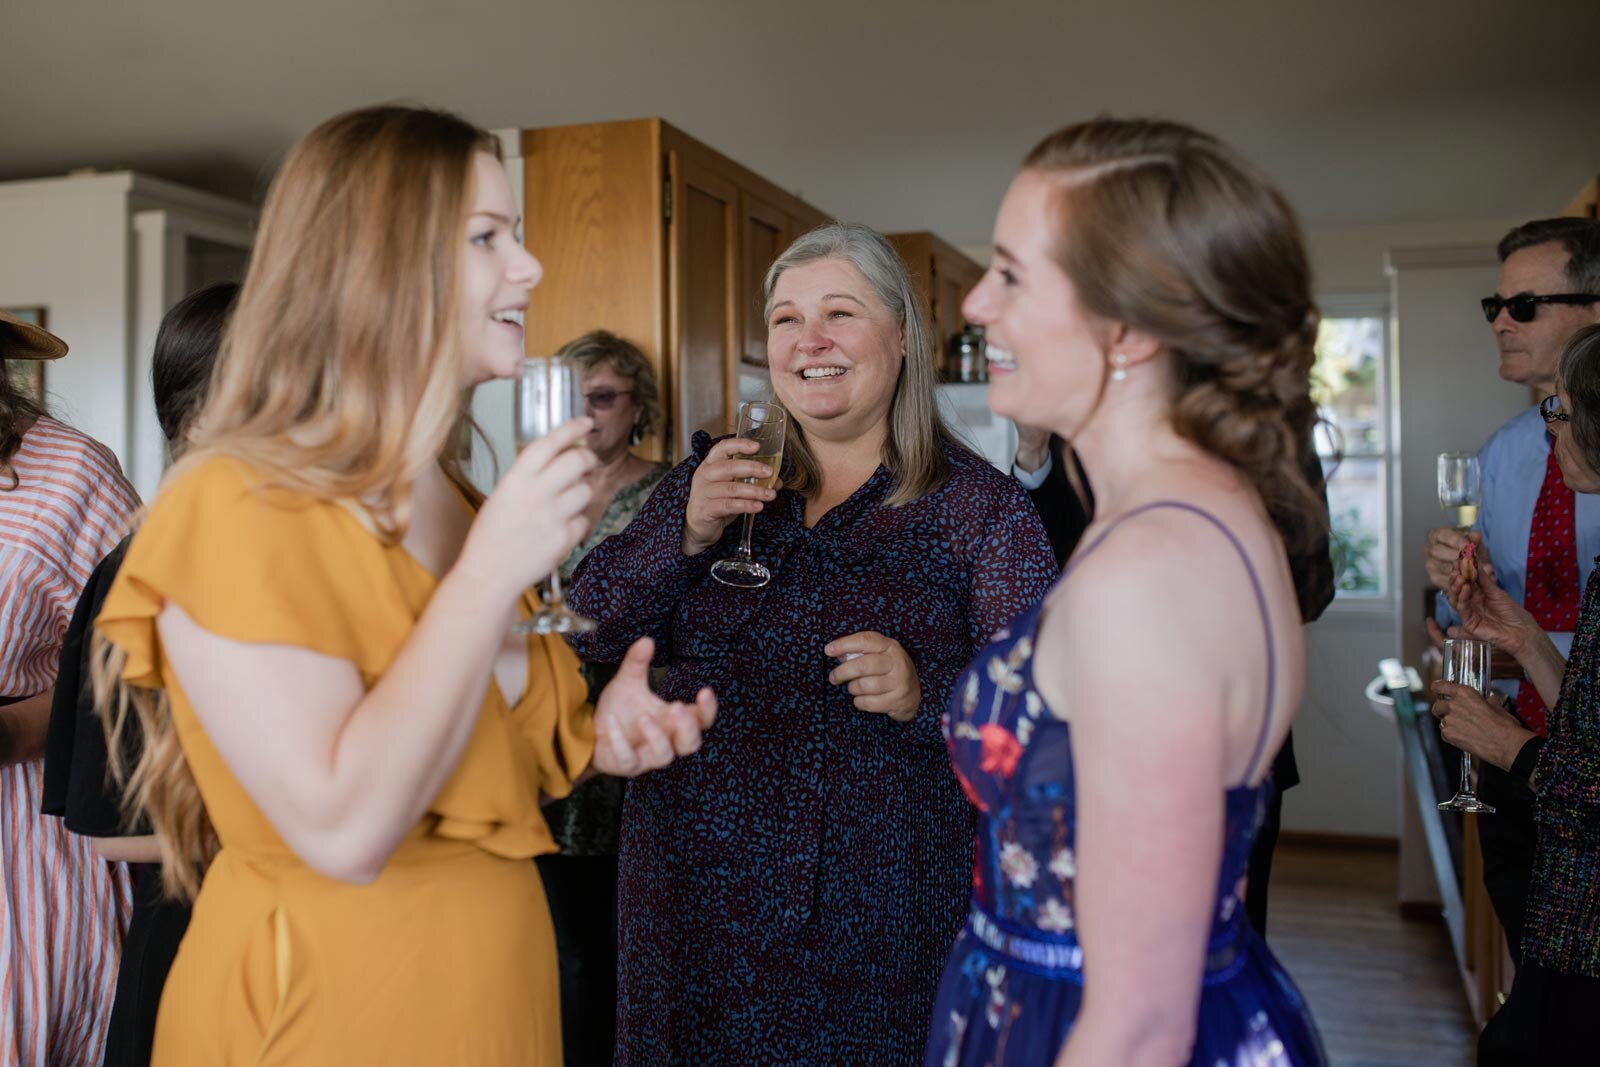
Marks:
<point>1553,1016</point>
<point>620,395</point>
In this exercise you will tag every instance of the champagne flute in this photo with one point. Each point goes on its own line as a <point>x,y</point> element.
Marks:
<point>549,392</point>
<point>763,422</point>
<point>1466,662</point>
<point>1458,488</point>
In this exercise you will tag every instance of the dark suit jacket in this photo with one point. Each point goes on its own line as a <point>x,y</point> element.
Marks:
<point>1066,516</point>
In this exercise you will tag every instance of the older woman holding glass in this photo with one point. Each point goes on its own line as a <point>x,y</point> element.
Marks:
<point>788,896</point>
<point>1553,1015</point>
<point>620,396</point>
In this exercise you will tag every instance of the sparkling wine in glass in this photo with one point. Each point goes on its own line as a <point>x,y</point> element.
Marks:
<point>549,392</point>
<point>1466,662</point>
<point>763,422</point>
<point>1458,488</point>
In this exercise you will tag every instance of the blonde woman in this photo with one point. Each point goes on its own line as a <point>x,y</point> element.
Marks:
<point>314,625</point>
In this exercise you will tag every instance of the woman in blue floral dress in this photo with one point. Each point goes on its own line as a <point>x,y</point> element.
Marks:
<point>790,896</point>
<point>1149,301</point>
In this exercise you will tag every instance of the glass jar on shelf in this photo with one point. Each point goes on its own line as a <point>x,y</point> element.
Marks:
<point>966,359</point>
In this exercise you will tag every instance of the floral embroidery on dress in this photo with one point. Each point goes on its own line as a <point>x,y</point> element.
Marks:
<point>1064,865</point>
<point>1006,672</point>
<point>1019,962</point>
<point>1003,676</point>
<point>997,996</point>
<point>1018,864</point>
<point>969,696</point>
<point>1055,917</point>
<point>958,1030</point>
<point>1001,750</point>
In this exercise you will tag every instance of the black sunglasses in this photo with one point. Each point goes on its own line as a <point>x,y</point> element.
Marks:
<point>1524,306</point>
<point>602,399</point>
<point>1550,409</point>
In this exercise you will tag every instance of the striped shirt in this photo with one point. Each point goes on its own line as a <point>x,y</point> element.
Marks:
<point>63,910</point>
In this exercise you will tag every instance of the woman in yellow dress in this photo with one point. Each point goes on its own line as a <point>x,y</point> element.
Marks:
<point>346,746</point>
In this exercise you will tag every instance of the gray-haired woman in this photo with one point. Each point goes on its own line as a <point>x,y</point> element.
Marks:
<point>787,896</point>
<point>1553,1016</point>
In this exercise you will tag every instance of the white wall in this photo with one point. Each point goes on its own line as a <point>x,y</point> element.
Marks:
<point>1451,395</point>
<point>65,247</point>
<point>70,246</point>
<point>1445,394</point>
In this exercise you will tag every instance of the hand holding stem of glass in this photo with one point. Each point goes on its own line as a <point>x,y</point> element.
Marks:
<point>764,423</point>
<point>1466,662</point>
<point>549,392</point>
<point>1459,487</point>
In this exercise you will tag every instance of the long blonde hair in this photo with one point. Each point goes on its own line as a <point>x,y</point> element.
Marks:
<point>914,448</point>
<point>339,377</point>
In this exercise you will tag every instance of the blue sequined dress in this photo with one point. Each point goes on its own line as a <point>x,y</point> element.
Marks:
<point>1013,984</point>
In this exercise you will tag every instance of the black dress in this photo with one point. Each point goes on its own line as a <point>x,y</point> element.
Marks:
<point>78,789</point>
<point>789,893</point>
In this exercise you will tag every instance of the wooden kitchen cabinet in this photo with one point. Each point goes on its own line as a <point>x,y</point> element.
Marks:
<point>648,233</point>
<point>943,276</point>
<point>1587,203</point>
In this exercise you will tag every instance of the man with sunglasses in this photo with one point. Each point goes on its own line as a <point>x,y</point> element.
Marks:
<point>1541,537</point>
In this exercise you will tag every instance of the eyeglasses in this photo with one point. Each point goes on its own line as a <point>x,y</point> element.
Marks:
<point>1550,410</point>
<point>1524,306</point>
<point>601,399</point>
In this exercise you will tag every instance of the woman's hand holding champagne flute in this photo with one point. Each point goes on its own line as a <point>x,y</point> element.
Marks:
<point>534,517</point>
<point>730,482</point>
<point>549,396</point>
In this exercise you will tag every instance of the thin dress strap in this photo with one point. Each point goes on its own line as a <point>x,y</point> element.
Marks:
<point>1255,586</point>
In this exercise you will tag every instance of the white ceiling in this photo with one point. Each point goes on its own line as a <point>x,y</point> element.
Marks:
<point>904,115</point>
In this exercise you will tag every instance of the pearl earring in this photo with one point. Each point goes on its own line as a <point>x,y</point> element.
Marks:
<point>1119,366</point>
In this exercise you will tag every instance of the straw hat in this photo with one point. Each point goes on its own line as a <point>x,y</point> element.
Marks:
<point>24,340</point>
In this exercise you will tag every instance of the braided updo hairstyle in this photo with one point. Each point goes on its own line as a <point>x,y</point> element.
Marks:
<point>1171,232</point>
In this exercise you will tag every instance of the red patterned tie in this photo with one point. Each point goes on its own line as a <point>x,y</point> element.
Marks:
<point>1551,595</point>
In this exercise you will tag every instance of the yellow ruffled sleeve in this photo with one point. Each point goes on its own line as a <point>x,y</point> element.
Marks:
<point>556,711</point>
<point>520,755</point>
<point>254,564</point>
<point>263,565</point>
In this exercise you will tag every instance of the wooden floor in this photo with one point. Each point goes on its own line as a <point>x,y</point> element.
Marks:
<point>1384,990</point>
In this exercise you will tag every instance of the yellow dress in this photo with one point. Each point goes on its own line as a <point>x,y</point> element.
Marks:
<point>448,957</point>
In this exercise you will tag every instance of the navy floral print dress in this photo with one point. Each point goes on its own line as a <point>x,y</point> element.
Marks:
<point>788,893</point>
<point>1014,982</point>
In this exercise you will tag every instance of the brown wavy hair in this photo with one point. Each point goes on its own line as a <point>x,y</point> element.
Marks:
<point>339,378</point>
<point>1169,231</point>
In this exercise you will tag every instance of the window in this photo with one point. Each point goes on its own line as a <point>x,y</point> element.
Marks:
<point>1350,385</point>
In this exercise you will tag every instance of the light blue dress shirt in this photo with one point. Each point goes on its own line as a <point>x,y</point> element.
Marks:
<point>1512,465</point>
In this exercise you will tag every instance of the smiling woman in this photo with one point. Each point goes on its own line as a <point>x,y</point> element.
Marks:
<point>1152,294</point>
<point>346,746</point>
<point>794,886</point>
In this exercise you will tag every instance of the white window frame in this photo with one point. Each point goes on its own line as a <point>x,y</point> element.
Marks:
<point>1376,305</point>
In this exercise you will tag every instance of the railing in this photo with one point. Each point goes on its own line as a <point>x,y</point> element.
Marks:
<point>1452,844</point>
